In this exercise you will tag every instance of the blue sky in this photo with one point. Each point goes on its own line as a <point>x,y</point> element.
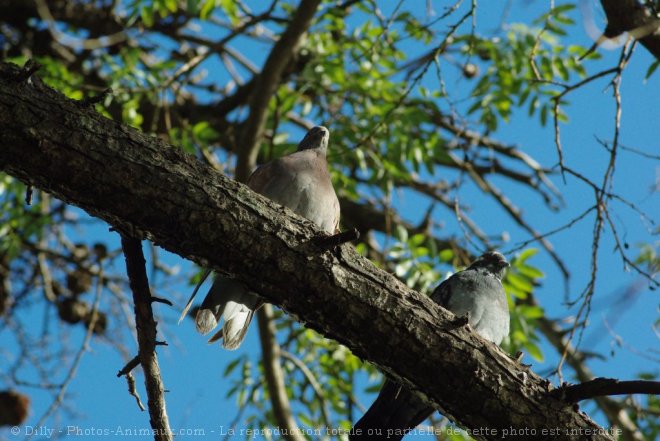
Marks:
<point>192,370</point>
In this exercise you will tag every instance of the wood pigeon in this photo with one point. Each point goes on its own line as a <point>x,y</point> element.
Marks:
<point>476,292</point>
<point>299,181</point>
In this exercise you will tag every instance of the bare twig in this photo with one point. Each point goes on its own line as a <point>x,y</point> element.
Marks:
<point>130,380</point>
<point>330,242</point>
<point>132,364</point>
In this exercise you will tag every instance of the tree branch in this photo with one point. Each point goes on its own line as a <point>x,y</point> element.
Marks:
<point>267,83</point>
<point>140,185</point>
<point>146,333</point>
<point>606,386</point>
<point>274,375</point>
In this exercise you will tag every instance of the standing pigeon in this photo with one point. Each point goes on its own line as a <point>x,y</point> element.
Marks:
<point>476,292</point>
<point>299,181</point>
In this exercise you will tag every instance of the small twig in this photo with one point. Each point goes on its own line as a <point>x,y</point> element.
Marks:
<point>29,68</point>
<point>519,246</point>
<point>556,105</point>
<point>135,361</point>
<point>330,242</point>
<point>161,300</point>
<point>130,380</point>
<point>91,100</point>
<point>28,195</point>
<point>413,83</point>
<point>605,386</point>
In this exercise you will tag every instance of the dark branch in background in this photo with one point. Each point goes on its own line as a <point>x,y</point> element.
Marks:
<point>146,333</point>
<point>267,83</point>
<point>275,384</point>
<point>605,386</point>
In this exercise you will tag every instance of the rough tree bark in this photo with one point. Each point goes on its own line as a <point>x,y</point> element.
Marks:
<point>147,188</point>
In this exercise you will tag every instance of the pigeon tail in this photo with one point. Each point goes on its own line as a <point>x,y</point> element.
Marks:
<point>230,301</point>
<point>395,413</point>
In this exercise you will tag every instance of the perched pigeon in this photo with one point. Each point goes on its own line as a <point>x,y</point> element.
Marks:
<point>299,181</point>
<point>476,292</point>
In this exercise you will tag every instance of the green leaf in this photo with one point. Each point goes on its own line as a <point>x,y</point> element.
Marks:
<point>192,6</point>
<point>519,282</point>
<point>652,68</point>
<point>417,240</point>
<point>531,312</point>
<point>401,233</point>
<point>526,254</point>
<point>530,271</point>
<point>446,255</point>
<point>563,8</point>
<point>207,9</point>
<point>231,366</point>
<point>534,351</point>
<point>146,13</point>
<point>171,5</point>
<point>515,292</point>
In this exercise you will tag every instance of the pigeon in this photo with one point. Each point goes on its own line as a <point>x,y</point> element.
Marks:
<point>475,292</point>
<point>299,181</point>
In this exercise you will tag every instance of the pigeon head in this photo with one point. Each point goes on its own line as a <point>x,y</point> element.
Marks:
<point>493,262</point>
<point>316,138</point>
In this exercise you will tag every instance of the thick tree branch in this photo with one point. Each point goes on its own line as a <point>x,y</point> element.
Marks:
<point>632,17</point>
<point>146,333</point>
<point>140,185</point>
<point>267,83</point>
